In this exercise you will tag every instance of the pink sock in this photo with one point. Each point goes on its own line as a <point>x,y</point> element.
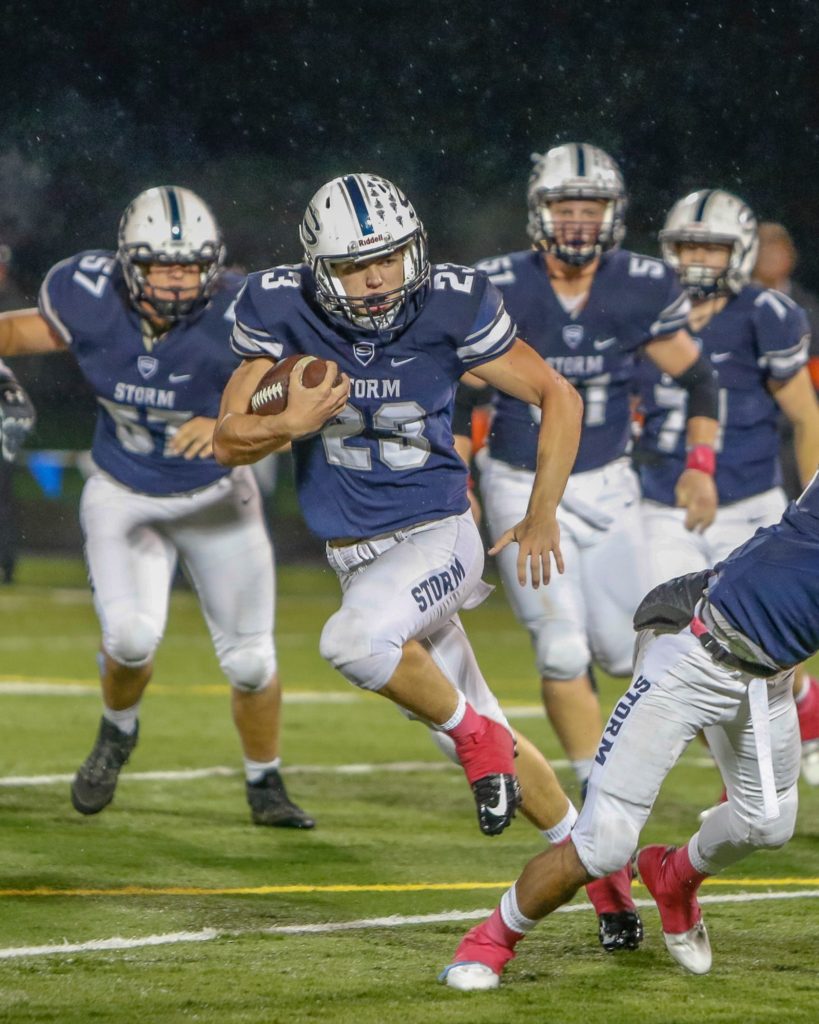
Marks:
<point>470,723</point>
<point>496,929</point>
<point>679,867</point>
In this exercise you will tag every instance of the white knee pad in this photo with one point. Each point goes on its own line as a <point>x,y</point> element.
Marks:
<point>350,642</point>
<point>770,835</point>
<point>249,668</point>
<point>561,651</point>
<point>605,834</point>
<point>131,641</point>
<point>726,836</point>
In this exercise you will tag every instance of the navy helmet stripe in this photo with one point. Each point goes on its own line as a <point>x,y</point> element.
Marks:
<point>701,208</point>
<point>581,161</point>
<point>359,204</point>
<point>175,214</point>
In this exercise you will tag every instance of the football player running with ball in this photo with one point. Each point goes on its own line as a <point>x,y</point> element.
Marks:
<point>378,477</point>
<point>149,326</point>
<point>757,340</point>
<point>716,651</point>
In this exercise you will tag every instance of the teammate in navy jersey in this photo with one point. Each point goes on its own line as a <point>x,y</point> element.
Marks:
<point>587,307</point>
<point>149,326</point>
<point>379,481</point>
<point>716,651</point>
<point>757,340</point>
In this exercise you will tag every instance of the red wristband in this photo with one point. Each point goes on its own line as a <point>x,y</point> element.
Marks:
<point>701,457</point>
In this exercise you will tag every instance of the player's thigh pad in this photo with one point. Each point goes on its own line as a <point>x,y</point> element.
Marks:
<point>554,615</point>
<point>131,565</point>
<point>612,560</point>
<point>669,701</point>
<point>407,592</point>
<point>670,549</point>
<point>226,550</point>
<point>736,523</point>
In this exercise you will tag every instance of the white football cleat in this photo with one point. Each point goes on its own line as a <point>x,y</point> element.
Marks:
<point>810,762</point>
<point>691,949</point>
<point>469,977</point>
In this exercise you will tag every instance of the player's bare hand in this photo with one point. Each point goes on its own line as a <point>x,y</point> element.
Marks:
<point>194,438</point>
<point>310,408</point>
<point>696,492</point>
<point>538,542</point>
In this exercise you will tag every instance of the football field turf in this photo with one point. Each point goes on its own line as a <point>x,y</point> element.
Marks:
<point>169,906</point>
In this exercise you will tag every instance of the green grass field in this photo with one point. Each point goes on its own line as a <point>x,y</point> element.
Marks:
<point>176,858</point>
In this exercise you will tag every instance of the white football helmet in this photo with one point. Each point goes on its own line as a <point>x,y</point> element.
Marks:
<point>576,170</point>
<point>170,225</point>
<point>354,218</point>
<point>714,217</point>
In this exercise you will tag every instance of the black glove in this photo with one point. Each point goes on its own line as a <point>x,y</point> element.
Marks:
<point>17,417</point>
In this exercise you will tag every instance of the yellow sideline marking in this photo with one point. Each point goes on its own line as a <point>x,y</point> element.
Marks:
<point>284,890</point>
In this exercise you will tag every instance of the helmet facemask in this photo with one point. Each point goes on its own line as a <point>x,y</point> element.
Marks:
<point>136,262</point>
<point>169,226</point>
<point>699,280</point>
<point>386,313</point>
<point>576,242</point>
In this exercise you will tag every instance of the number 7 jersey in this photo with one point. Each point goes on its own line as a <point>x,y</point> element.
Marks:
<point>388,460</point>
<point>144,395</point>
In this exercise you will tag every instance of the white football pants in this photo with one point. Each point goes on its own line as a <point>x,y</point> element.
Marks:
<point>678,690</point>
<point>132,541</point>
<point>586,613</point>
<point>673,551</point>
<point>402,587</point>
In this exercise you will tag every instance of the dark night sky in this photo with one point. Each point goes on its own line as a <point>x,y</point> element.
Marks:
<point>256,104</point>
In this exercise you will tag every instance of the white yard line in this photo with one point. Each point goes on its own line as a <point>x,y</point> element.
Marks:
<point>364,924</point>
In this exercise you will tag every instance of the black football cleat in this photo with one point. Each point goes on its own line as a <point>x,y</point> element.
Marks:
<point>622,930</point>
<point>94,784</point>
<point>497,797</point>
<point>270,804</point>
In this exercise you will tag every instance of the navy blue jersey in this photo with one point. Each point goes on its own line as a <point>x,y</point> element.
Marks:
<point>769,588</point>
<point>758,336</point>
<point>633,300</point>
<point>388,460</point>
<point>144,394</point>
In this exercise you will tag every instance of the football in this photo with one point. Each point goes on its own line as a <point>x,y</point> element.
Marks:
<point>270,396</point>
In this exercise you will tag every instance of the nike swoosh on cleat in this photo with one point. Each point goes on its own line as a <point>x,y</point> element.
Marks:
<point>499,808</point>
<point>601,343</point>
<point>177,378</point>
<point>400,362</point>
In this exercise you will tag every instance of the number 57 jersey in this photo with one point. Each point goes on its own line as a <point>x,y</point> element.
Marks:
<point>388,460</point>
<point>145,392</point>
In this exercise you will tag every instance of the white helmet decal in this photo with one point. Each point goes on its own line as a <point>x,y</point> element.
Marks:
<point>576,170</point>
<point>713,217</point>
<point>171,225</point>
<point>358,217</point>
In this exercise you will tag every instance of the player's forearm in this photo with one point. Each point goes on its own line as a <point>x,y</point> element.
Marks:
<point>806,448</point>
<point>241,438</point>
<point>558,441</point>
<point>701,430</point>
<point>24,332</point>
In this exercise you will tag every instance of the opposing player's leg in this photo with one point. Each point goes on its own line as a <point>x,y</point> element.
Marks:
<point>131,566</point>
<point>648,730</point>
<point>750,819</point>
<point>227,554</point>
<point>397,591</point>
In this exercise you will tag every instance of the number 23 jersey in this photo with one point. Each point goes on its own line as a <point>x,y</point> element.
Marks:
<point>144,395</point>
<point>388,460</point>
